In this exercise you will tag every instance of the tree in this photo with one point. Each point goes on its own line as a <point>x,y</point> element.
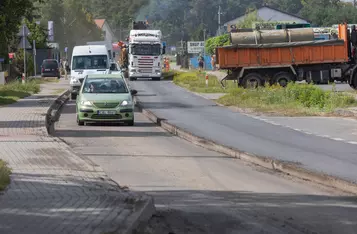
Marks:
<point>37,33</point>
<point>11,14</point>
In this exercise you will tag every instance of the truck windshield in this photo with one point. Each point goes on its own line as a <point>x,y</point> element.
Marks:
<point>90,62</point>
<point>145,49</point>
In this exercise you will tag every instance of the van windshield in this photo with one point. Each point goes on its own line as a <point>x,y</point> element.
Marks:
<point>89,62</point>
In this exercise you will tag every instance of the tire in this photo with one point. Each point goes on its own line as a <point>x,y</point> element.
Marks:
<point>80,123</point>
<point>156,78</point>
<point>283,78</point>
<point>130,122</point>
<point>353,83</point>
<point>73,96</point>
<point>250,78</point>
<point>132,78</point>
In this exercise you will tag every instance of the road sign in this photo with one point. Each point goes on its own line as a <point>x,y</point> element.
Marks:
<point>27,44</point>
<point>195,47</point>
<point>21,31</point>
<point>66,49</point>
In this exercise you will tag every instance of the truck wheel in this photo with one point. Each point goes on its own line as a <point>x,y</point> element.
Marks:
<point>283,78</point>
<point>353,83</point>
<point>252,80</point>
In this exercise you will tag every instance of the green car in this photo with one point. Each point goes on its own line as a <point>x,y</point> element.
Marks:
<point>105,98</point>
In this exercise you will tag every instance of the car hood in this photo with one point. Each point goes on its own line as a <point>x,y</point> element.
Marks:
<point>83,73</point>
<point>105,97</point>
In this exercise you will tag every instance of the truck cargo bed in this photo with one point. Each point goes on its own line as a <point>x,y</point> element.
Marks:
<point>284,54</point>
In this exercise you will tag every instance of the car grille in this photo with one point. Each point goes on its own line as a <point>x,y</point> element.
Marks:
<point>95,116</point>
<point>145,65</point>
<point>106,104</point>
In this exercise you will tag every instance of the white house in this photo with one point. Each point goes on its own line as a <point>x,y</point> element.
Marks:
<point>267,14</point>
<point>108,33</point>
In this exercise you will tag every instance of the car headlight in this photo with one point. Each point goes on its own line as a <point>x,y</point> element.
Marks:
<point>126,103</point>
<point>74,80</point>
<point>86,103</point>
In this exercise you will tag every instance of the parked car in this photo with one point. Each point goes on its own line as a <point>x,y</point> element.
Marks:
<point>105,98</point>
<point>50,68</point>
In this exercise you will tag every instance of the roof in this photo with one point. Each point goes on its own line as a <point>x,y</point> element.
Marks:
<point>272,8</point>
<point>99,22</point>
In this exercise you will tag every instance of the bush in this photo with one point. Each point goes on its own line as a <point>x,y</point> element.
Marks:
<point>5,172</point>
<point>213,42</point>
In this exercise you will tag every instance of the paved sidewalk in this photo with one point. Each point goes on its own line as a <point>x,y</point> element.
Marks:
<point>53,190</point>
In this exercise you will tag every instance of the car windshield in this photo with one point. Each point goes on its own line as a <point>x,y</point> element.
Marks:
<point>89,62</point>
<point>146,49</point>
<point>104,85</point>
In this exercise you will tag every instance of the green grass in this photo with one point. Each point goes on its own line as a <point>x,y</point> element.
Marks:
<point>11,92</point>
<point>196,82</point>
<point>5,172</point>
<point>294,100</point>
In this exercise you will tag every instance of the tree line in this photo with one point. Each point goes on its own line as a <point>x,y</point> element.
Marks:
<point>178,19</point>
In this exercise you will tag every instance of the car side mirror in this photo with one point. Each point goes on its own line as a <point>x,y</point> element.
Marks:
<point>133,92</point>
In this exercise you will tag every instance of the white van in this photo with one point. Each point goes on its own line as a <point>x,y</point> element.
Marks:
<point>87,59</point>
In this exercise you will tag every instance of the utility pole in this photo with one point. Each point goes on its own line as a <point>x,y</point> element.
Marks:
<point>34,57</point>
<point>204,41</point>
<point>24,46</point>
<point>219,20</point>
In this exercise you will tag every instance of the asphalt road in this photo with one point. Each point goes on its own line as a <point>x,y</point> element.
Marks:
<point>204,118</point>
<point>200,191</point>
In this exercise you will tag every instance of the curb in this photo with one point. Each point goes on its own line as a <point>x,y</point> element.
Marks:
<point>144,208</point>
<point>140,218</point>
<point>54,110</point>
<point>293,169</point>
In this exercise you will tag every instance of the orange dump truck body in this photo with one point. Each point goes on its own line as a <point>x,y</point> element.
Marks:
<point>284,54</point>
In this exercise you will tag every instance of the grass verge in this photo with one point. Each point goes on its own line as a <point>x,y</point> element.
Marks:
<point>294,100</point>
<point>11,92</point>
<point>5,172</point>
<point>196,82</point>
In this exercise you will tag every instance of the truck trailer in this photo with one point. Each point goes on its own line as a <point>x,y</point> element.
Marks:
<point>288,55</point>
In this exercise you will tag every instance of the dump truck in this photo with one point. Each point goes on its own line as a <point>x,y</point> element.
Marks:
<point>285,55</point>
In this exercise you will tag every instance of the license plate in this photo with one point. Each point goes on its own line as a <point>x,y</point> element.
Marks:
<point>106,112</point>
<point>47,69</point>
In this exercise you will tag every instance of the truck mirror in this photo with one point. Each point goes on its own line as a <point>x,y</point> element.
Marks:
<point>112,67</point>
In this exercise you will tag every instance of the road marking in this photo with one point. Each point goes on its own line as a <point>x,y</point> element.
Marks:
<point>278,124</point>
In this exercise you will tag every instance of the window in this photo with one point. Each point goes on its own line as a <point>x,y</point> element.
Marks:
<point>50,64</point>
<point>104,85</point>
<point>90,62</point>
<point>146,49</point>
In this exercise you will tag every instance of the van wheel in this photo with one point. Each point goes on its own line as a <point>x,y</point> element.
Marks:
<point>73,96</point>
<point>283,78</point>
<point>132,78</point>
<point>252,80</point>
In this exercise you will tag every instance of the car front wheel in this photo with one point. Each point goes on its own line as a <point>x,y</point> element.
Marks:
<point>79,122</point>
